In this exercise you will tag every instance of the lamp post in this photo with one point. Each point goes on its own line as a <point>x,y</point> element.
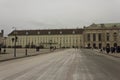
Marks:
<point>4,44</point>
<point>15,40</point>
<point>60,38</point>
<point>26,44</point>
<point>73,39</point>
<point>50,42</point>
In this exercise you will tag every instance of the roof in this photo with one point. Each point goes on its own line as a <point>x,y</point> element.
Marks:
<point>47,32</point>
<point>104,26</point>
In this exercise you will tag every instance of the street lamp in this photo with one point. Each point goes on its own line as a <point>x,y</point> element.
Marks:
<point>15,40</point>
<point>26,44</point>
<point>73,39</point>
<point>60,38</point>
<point>50,42</point>
<point>4,44</point>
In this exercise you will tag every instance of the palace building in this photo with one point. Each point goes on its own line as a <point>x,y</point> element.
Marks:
<point>59,38</point>
<point>1,38</point>
<point>102,35</point>
<point>93,36</point>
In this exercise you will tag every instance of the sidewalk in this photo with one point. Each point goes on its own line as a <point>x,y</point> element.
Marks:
<point>20,53</point>
<point>117,55</point>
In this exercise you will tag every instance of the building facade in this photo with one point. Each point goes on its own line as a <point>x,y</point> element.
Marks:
<point>59,38</point>
<point>93,36</point>
<point>1,38</point>
<point>102,35</point>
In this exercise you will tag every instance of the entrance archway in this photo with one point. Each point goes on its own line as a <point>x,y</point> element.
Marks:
<point>115,44</point>
<point>107,45</point>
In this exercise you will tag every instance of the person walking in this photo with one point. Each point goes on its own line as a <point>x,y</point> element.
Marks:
<point>107,49</point>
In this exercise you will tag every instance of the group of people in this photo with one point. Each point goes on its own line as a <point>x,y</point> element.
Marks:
<point>111,49</point>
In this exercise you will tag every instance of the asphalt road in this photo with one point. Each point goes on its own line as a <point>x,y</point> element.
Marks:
<point>70,64</point>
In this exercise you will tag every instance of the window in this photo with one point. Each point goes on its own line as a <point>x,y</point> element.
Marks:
<point>99,37</point>
<point>94,37</point>
<point>73,32</point>
<point>49,32</point>
<point>60,32</point>
<point>88,45</point>
<point>100,45</point>
<point>108,45</point>
<point>115,36</point>
<point>108,36</point>
<point>88,37</point>
<point>94,45</point>
<point>115,44</point>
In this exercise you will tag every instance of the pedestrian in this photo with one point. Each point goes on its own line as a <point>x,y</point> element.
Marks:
<point>111,49</point>
<point>0,50</point>
<point>107,49</point>
<point>37,48</point>
<point>101,51</point>
<point>118,49</point>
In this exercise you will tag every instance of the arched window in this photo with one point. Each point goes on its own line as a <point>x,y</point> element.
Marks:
<point>108,45</point>
<point>94,45</point>
<point>115,44</point>
<point>100,45</point>
<point>88,45</point>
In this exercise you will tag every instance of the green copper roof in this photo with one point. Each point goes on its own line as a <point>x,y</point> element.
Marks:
<point>104,26</point>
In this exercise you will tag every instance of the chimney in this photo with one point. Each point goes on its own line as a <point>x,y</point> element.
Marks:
<point>102,25</point>
<point>2,33</point>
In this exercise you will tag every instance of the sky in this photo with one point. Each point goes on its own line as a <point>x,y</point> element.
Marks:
<point>60,14</point>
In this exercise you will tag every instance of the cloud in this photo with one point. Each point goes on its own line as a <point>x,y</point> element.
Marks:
<point>33,14</point>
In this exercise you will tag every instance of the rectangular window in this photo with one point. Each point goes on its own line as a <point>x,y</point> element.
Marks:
<point>88,37</point>
<point>99,37</point>
<point>94,37</point>
<point>108,36</point>
<point>115,36</point>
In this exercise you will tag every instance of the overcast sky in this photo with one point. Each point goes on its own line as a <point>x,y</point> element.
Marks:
<point>40,14</point>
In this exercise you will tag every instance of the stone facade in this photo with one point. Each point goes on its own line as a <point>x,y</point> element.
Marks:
<point>93,36</point>
<point>59,38</point>
<point>102,35</point>
<point>1,38</point>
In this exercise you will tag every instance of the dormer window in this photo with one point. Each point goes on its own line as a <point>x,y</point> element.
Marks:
<point>60,32</point>
<point>26,33</point>
<point>49,32</point>
<point>73,32</point>
<point>38,32</point>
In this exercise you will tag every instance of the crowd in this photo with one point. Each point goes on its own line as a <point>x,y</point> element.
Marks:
<point>111,49</point>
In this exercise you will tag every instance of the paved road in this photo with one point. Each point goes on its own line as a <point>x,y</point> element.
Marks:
<point>70,64</point>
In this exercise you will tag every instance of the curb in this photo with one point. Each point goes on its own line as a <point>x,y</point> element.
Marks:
<point>114,55</point>
<point>110,54</point>
<point>22,57</point>
<point>28,56</point>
